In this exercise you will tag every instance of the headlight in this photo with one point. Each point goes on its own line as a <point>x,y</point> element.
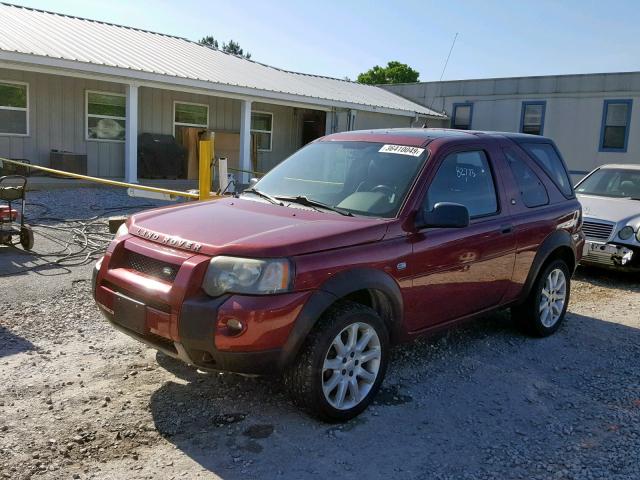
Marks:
<point>247,276</point>
<point>626,233</point>
<point>122,230</point>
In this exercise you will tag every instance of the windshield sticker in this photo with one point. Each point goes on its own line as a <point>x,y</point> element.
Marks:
<point>402,150</point>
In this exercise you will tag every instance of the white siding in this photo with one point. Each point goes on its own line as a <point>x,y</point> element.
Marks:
<point>573,113</point>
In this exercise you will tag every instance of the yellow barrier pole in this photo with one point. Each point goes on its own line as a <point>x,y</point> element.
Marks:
<point>103,181</point>
<point>205,155</point>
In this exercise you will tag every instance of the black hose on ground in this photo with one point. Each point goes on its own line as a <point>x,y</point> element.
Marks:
<point>79,241</point>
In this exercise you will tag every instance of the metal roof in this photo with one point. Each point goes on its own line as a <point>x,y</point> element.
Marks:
<point>56,40</point>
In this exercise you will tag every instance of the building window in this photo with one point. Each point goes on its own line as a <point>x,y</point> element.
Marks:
<point>262,127</point>
<point>462,114</point>
<point>14,108</point>
<point>187,114</point>
<point>616,117</point>
<point>106,116</point>
<point>532,117</point>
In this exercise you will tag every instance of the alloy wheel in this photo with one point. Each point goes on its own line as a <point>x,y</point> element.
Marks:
<point>552,298</point>
<point>351,366</point>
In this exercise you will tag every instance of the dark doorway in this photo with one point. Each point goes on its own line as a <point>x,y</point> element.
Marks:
<point>313,125</point>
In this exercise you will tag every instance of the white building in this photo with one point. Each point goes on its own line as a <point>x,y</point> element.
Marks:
<point>594,119</point>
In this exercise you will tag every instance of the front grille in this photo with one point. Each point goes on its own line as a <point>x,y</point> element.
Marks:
<point>601,231</point>
<point>152,267</point>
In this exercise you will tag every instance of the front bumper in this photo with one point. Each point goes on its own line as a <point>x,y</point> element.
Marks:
<point>196,344</point>
<point>610,255</point>
<point>194,327</point>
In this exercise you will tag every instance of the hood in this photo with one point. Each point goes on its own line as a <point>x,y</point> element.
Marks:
<point>622,211</point>
<point>236,226</point>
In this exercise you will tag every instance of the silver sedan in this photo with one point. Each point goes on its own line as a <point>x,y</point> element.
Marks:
<point>610,198</point>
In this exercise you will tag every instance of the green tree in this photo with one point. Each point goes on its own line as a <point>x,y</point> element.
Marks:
<point>235,49</point>
<point>209,41</point>
<point>394,72</point>
<point>232,47</point>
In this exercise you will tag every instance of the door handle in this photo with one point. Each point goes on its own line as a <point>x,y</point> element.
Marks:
<point>506,229</point>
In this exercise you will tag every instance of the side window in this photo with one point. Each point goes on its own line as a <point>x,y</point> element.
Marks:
<point>465,178</point>
<point>532,191</point>
<point>546,156</point>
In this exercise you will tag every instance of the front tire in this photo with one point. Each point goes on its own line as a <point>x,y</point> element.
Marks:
<point>544,310</point>
<point>342,364</point>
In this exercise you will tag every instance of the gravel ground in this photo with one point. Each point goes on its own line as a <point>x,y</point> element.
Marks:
<point>79,400</point>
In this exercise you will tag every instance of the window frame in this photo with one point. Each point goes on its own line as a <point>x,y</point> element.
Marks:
<point>88,115</point>
<point>454,109</point>
<point>270,132</point>
<point>194,125</point>
<point>627,127</point>
<point>523,110</point>
<point>18,109</point>
<point>496,188</point>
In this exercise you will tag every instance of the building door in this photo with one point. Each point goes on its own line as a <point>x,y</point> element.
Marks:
<point>313,125</point>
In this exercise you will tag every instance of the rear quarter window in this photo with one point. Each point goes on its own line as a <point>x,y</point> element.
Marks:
<point>532,191</point>
<point>547,157</point>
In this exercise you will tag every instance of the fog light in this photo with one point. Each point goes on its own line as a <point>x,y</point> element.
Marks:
<point>234,326</point>
<point>626,233</point>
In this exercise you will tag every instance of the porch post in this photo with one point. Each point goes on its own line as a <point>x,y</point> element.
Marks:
<point>131,136</point>
<point>245,140</point>
<point>328,126</point>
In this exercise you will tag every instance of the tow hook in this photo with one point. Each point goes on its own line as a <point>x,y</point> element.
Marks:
<point>623,256</point>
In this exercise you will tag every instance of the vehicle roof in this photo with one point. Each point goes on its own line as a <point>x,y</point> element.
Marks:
<point>626,166</point>
<point>420,137</point>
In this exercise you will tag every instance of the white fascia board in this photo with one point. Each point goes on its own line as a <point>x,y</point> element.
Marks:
<point>59,66</point>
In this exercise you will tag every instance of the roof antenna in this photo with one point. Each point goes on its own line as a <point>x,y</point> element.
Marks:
<point>443,70</point>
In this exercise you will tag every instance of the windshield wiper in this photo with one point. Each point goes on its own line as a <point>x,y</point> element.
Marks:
<point>266,196</point>
<point>303,200</point>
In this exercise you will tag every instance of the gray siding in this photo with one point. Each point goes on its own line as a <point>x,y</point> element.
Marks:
<point>155,113</point>
<point>286,136</point>
<point>156,116</point>
<point>573,114</point>
<point>366,120</point>
<point>57,121</point>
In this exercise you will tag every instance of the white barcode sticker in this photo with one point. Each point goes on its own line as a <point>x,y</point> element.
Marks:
<point>402,150</point>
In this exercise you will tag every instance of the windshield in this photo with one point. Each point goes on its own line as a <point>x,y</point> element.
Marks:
<point>612,182</point>
<point>358,177</point>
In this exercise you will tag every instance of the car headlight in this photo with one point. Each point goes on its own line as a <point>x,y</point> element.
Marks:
<point>122,230</point>
<point>626,233</point>
<point>247,276</point>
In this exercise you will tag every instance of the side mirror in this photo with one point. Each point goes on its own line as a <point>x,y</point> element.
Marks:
<point>445,215</point>
<point>252,182</point>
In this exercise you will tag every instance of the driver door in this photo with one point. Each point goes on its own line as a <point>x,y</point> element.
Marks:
<point>461,271</point>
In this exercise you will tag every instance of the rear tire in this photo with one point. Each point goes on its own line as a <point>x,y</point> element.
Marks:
<point>342,364</point>
<point>26,237</point>
<point>544,310</point>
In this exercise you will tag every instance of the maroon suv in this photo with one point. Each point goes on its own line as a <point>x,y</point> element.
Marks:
<point>356,242</point>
